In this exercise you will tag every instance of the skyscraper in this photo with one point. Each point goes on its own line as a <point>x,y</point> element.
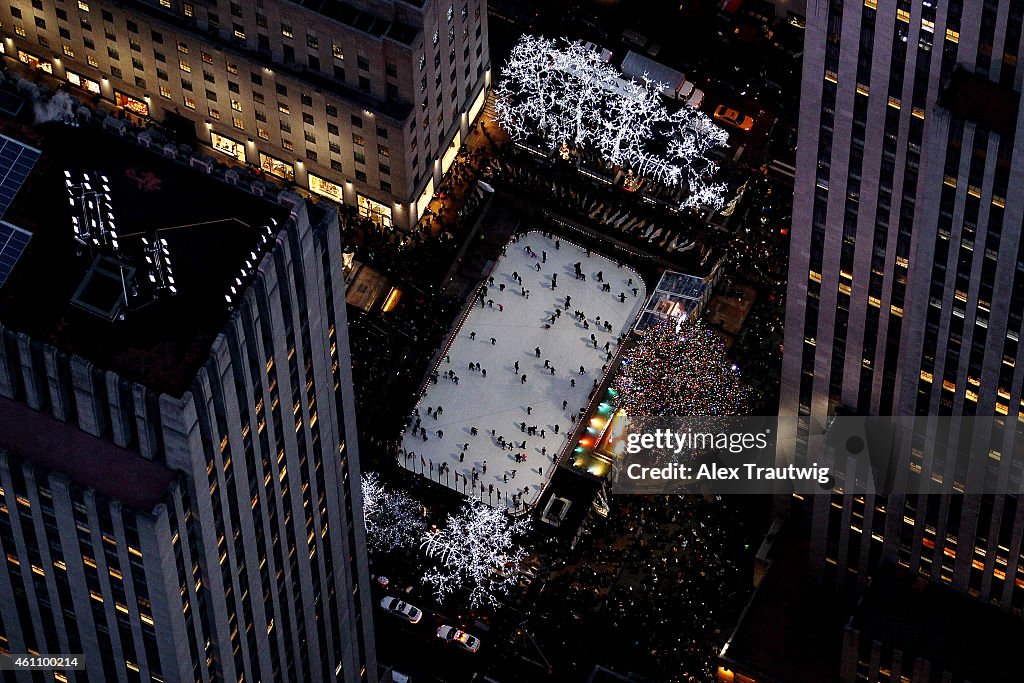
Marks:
<point>364,102</point>
<point>906,283</point>
<point>180,482</point>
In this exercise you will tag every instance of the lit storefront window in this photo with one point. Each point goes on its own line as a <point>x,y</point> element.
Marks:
<point>424,201</point>
<point>34,62</point>
<point>275,166</point>
<point>226,145</point>
<point>83,82</point>
<point>325,188</point>
<point>131,104</point>
<point>378,213</point>
<point>451,153</point>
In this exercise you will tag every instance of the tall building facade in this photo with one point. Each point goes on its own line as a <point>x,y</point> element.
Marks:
<point>906,282</point>
<point>364,102</point>
<point>161,510</point>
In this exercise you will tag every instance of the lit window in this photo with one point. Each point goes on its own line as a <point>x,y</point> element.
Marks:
<point>84,6</point>
<point>165,91</point>
<point>184,66</point>
<point>236,105</point>
<point>189,102</point>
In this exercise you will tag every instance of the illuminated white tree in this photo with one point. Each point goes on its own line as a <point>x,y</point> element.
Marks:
<point>564,93</point>
<point>392,518</point>
<point>477,549</point>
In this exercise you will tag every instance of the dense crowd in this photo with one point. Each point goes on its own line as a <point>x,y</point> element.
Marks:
<point>655,588</point>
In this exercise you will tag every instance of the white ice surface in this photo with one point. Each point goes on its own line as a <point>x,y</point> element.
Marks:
<point>499,401</point>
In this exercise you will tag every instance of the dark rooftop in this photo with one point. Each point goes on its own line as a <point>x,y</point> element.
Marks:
<point>92,463</point>
<point>216,227</point>
<point>790,630</point>
<point>968,638</point>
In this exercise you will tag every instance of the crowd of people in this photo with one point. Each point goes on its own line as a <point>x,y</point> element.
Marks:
<point>655,588</point>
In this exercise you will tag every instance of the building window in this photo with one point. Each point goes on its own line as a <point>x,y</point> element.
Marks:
<point>214,114</point>
<point>236,105</point>
<point>226,145</point>
<point>286,30</point>
<point>378,213</point>
<point>237,123</point>
<point>284,108</point>
<point>182,48</point>
<point>68,51</point>
<point>277,167</point>
<point>189,102</point>
<point>337,51</point>
<point>325,188</point>
<point>357,122</point>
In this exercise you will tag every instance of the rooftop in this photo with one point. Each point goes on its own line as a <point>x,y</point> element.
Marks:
<point>790,629</point>
<point>90,462</point>
<point>211,230</point>
<point>930,621</point>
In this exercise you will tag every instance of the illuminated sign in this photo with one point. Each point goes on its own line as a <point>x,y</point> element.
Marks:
<point>131,104</point>
<point>275,166</point>
<point>34,62</point>
<point>228,146</point>
<point>325,188</point>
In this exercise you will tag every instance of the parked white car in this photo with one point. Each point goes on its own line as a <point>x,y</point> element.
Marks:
<point>401,609</point>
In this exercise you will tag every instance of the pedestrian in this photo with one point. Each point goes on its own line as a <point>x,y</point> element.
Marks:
<point>564,404</point>
<point>523,380</point>
<point>483,373</point>
<point>556,429</point>
<point>462,457</point>
<point>529,409</point>
<point>472,336</point>
<point>542,434</point>
<point>516,366</point>
<point>547,363</point>
<point>582,370</point>
<point>513,474</point>
<point>474,431</point>
<point>504,478</point>
<point>501,287</point>
<point>493,341</point>
<point>537,352</point>
<point>483,468</point>
<point>552,368</point>
<point>572,383</point>
<point>440,434</point>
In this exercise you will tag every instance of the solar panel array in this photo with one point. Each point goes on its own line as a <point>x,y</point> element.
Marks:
<point>16,162</point>
<point>13,241</point>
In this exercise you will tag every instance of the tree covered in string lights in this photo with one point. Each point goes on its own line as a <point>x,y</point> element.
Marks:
<point>392,518</point>
<point>563,93</point>
<point>476,550</point>
<point>679,369</point>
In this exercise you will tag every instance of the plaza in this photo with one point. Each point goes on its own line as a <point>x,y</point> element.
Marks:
<point>537,348</point>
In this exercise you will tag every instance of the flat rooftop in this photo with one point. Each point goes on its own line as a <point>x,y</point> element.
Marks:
<point>927,620</point>
<point>210,228</point>
<point>791,630</point>
<point>89,462</point>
